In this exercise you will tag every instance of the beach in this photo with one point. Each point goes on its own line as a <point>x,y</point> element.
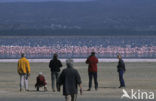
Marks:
<point>139,75</point>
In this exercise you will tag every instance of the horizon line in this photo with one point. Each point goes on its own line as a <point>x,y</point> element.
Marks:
<point>105,60</point>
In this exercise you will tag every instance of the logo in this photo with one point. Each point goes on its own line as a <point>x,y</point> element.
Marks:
<point>138,94</point>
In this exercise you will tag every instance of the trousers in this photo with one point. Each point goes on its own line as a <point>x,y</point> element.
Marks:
<point>121,79</point>
<point>93,75</point>
<point>71,97</point>
<point>24,81</point>
<point>54,76</point>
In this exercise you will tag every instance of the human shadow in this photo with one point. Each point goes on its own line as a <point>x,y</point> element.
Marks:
<point>109,87</point>
<point>104,88</point>
<point>37,91</point>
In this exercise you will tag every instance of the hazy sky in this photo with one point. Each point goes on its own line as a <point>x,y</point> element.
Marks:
<point>38,0</point>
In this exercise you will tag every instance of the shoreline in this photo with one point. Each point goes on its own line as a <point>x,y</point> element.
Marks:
<point>79,60</point>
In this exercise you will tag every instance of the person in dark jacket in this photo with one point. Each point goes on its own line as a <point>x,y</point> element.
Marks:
<point>70,79</point>
<point>92,61</point>
<point>121,70</point>
<point>41,82</point>
<point>54,66</point>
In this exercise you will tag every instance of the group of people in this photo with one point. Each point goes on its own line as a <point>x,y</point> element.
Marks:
<point>69,77</point>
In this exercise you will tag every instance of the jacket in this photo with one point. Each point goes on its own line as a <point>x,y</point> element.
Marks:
<point>121,66</point>
<point>70,79</point>
<point>40,81</point>
<point>23,66</point>
<point>92,63</point>
<point>55,65</point>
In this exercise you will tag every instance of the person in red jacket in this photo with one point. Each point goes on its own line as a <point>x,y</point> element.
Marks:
<point>41,82</point>
<point>92,61</point>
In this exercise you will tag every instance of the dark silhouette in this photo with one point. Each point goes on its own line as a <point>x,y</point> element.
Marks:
<point>70,79</point>
<point>54,66</point>
<point>121,70</point>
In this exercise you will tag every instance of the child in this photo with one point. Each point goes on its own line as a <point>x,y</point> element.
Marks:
<point>41,82</point>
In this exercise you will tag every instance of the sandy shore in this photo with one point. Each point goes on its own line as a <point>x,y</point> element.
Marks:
<point>138,76</point>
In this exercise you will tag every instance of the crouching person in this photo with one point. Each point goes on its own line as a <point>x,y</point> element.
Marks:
<point>41,82</point>
<point>70,79</point>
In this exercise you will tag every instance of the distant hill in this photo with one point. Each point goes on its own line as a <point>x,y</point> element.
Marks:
<point>43,0</point>
<point>103,17</point>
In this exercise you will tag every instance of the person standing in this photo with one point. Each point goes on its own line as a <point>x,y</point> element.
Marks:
<point>92,61</point>
<point>70,79</point>
<point>54,65</point>
<point>121,70</point>
<point>23,70</point>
